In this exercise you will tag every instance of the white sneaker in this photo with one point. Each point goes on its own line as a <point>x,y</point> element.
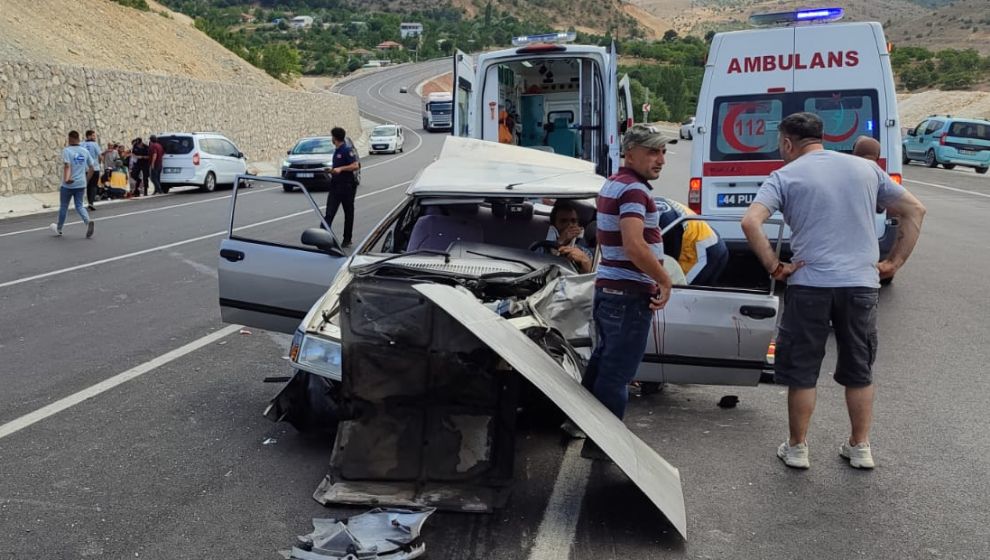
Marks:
<point>55,230</point>
<point>794,456</point>
<point>860,456</point>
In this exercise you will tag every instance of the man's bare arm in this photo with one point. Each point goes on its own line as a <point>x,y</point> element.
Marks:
<point>66,173</point>
<point>752,225</point>
<point>911,213</point>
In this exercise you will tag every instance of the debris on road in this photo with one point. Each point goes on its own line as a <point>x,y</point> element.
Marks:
<point>728,401</point>
<point>269,441</point>
<point>381,533</point>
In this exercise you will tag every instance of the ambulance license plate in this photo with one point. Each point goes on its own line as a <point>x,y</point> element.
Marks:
<point>734,200</point>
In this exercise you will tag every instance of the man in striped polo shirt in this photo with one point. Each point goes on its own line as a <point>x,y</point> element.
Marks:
<point>631,282</point>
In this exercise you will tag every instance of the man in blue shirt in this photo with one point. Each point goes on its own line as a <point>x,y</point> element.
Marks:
<point>92,183</point>
<point>343,182</point>
<point>77,166</point>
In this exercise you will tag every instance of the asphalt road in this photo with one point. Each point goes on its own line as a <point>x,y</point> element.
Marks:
<point>173,463</point>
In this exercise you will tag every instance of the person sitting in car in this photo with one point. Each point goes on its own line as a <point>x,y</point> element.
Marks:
<point>568,235</point>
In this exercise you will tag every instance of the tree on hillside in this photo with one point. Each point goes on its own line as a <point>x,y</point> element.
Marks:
<point>281,61</point>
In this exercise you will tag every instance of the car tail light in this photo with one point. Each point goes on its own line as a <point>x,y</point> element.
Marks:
<point>196,158</point>
<point>941,139</point>
<point>694,195</point>
<point>772,352</point>
<point>896,177</point>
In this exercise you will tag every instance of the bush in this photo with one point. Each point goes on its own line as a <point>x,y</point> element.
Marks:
<point>136,4</point>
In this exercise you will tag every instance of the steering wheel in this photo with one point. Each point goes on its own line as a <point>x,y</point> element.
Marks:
<point>546,245</point>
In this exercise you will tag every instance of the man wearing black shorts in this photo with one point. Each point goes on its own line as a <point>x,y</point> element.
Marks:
<point>834,279</point>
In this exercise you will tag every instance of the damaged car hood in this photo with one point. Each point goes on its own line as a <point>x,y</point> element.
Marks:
<point>657,478</point>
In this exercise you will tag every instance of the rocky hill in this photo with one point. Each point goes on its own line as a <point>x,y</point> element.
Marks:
<point>103,34</point>
<point>934,24</point>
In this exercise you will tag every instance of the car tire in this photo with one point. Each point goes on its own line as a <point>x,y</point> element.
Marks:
<point>949,165</point>
<point>904,157</point>
<point>210,183</point>
<point>650,388</point>
<point>165,189</point>
<point>930,159</point>
<point>981,170</point>
<point>288,188</point>
<point>681,134</point>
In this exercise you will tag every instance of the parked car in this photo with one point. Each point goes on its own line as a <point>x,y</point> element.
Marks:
<point>687,129</point>
<point>388,138</point>
<point>403,89</point>
<point>949,141</point>
<point>204,159</point>
<point>309,161</point>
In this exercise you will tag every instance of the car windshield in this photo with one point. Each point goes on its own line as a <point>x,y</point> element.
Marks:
<point>383,131</point>
<point>745,126</point>
<point>314,146</point>
<point>974,130</point>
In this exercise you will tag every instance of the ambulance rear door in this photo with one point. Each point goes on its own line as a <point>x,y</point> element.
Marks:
<point>849,84</point>
<point>742,102</point>
<point>464,95</point>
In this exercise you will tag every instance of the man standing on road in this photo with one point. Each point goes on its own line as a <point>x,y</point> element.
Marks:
<point>140,153</point>
<point>631,281</point>
<point>78,166</point>
<point>156,152</point>
<point>343,183</point>
<point>93,181</point>
<point>829,199</point>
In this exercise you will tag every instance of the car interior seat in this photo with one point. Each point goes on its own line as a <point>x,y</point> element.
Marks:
<point>562,139</point>
<point>436,231</point>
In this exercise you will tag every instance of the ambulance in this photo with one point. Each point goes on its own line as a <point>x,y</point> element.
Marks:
<point>545,94</point>
<point>755,78</point>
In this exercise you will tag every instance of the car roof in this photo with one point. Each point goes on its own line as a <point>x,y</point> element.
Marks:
<point>472,167</point>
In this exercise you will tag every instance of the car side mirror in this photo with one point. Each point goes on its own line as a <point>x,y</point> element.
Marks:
<point>322,240</point>
<point>240,155</point>
<point>288,152</point>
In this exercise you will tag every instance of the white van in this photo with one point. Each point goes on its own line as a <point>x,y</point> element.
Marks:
<point>755,78</point>
<point>547,95</point>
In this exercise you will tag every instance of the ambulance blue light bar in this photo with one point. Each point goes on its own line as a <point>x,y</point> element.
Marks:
<point>819,15</point>
<point>562,37</point>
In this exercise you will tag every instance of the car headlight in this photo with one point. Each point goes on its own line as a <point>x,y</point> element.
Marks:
<point>285,163</point>
<point>321,356</point>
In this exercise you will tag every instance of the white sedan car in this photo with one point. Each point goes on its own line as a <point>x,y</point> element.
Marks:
<point>427,329</point>
<point>387,138</point>
<point>687,129</point>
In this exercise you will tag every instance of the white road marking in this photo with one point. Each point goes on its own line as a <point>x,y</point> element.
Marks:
<point>42,413</point>
<point>559,525</point>
<point>198,267</point>
<point>953,189</point>
<point>99,218</point>
<point>177,243</point>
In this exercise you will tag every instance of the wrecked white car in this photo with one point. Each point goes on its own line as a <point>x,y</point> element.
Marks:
<point>428,331</point>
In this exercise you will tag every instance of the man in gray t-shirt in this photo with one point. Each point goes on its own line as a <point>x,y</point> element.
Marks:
<point>78,166</point>
<point>830,201</point>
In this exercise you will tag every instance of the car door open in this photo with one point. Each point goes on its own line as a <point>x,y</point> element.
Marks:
<point>717,335</point>
<point>273,268</point>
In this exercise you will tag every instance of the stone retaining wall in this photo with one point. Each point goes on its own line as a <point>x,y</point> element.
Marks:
<point>40,103</point>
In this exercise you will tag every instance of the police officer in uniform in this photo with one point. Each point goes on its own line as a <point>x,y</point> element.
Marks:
<point>343,182</point>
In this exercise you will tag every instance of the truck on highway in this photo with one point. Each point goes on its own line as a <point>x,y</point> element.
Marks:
<point>545,94</point>
<point>437,109</point>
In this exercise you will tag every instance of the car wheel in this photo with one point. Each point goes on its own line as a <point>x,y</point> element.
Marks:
<point>288,188</point>
<point>210,184</point>
<point>650,388</point>
<point>400,149</point>
<point>904,157</point>
<point>930,159</point>
<point>949,165</point>
<point>982,170</point>
<point>681,134</point>
<point>165,189</point>
<point>689,136</point>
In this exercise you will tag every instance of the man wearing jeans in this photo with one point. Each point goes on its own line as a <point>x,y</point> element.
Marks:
<point>77,166</point>
<point>829,200</point>
<point>93,182</point>
<point>631,282</point>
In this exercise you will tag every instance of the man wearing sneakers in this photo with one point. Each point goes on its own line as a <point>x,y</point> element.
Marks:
<point>829,200</point>
<point>77,166</point>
